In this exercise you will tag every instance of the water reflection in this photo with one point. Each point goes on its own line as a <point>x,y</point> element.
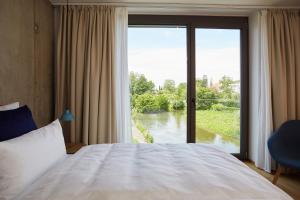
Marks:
<point>229,144</point>
<point>170,127</point>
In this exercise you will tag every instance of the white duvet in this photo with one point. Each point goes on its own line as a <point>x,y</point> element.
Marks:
<point>157,171</point>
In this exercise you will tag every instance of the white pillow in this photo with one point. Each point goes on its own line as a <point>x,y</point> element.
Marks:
<point>25,158</point>
<point>10,106</point>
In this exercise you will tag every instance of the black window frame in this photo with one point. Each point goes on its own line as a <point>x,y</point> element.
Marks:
<point>212,22</point>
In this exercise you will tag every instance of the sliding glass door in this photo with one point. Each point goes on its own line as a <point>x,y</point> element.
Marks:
<point>218,88</point>
<point>158,81</point>
<point>189,80</point>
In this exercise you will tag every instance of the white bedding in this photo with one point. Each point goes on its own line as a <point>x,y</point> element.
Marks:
<point>143,172</point>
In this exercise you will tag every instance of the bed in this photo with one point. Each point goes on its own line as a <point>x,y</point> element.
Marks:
<point>34,166</point>
<point>151,171</point>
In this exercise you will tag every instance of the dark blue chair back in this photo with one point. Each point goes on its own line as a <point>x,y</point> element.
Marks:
<point>289,133</point>
<point>284,144</point>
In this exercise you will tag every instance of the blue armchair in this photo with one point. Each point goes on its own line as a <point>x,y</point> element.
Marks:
<point>284,146</point>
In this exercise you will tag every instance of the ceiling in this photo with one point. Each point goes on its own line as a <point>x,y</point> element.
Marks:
<point>194,2</point>
<point>190,7</point>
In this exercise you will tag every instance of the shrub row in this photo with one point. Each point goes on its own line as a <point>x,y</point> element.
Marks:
<point>151,103</point>
<point>147,103</point>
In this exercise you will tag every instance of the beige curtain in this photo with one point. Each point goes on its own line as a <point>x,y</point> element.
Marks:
<point>284,60</point>
<point>85,75</point>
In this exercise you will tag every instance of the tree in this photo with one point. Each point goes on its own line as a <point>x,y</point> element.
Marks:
<point>198,83</point>
<point>226,86</point>
<point>169,85</point>
<point>206,97</point>
<point>227,92</point>
<point>139,84</point>
<point>181,91</point>
<point>204,81</point>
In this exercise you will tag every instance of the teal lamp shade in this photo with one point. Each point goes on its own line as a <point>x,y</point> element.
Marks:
<point>67,116</point>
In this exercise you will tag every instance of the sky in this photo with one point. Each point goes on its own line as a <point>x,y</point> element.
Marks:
<point>160,53</point>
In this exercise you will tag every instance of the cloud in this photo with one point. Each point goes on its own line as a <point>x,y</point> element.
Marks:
<point>159,64</point>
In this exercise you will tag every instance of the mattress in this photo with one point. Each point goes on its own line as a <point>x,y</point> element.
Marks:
<point>151,171</point>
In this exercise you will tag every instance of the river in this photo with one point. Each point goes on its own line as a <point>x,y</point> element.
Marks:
<point>170,127</point>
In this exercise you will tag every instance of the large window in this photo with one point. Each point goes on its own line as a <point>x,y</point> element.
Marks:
<point>188,80</point>
<point>158,82</point>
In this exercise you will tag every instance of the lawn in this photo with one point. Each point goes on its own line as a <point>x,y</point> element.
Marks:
<point>225,123</point>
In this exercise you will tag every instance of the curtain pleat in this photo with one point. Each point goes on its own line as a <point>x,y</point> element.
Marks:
<point>85,77</point>
<point>122,79</point>
<point>284,59</point>
<point>260,91</point>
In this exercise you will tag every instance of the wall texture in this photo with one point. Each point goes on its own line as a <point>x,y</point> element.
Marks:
<point>26,56</point>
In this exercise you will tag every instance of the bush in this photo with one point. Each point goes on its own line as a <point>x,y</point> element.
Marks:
<point>221,107</point>
<point>218,107</point>
<point>206,97</point>
<point>132,100</point>
<point>232,108</point>
<point>231,103</point>
<point>146,103</point>
<point>178,105</point>
<point>162,102</point>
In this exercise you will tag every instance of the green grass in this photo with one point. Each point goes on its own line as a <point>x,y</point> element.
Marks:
<point>225,123</point>
<point>147,136</point>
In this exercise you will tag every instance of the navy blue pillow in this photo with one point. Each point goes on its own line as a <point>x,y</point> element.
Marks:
<point>14,123</point>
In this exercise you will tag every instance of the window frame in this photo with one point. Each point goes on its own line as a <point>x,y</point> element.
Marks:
<point>212,22</point>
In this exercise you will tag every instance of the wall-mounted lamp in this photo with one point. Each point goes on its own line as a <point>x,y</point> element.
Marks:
<point>67,116</point>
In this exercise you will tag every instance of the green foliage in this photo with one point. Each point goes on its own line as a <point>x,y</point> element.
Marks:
<point>169,86</point>
<point>162,102</point>
<point>218,107</point>
<point>132,100</point>
<point>147,136</point>
<point>139,84</point>
<point>226,123</point>
<point>221,107</point>
<point>206,97</point>
<point>226,86</point>
<point>231,103</point>
<point>178,105</point>
<point>146,103</point>
<point>146,99</point>
<point>181,91</point>
<point>202,82</point>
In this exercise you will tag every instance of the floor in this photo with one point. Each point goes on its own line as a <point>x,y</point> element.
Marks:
<point>290,183</point>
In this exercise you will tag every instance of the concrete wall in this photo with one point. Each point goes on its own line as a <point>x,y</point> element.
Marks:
<point>26,56</point>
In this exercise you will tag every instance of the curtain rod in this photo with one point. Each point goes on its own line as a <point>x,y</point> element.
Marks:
<point>175,5</point>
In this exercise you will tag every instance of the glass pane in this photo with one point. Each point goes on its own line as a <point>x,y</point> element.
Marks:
<point>158,75</point>
<point>218,88</point>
